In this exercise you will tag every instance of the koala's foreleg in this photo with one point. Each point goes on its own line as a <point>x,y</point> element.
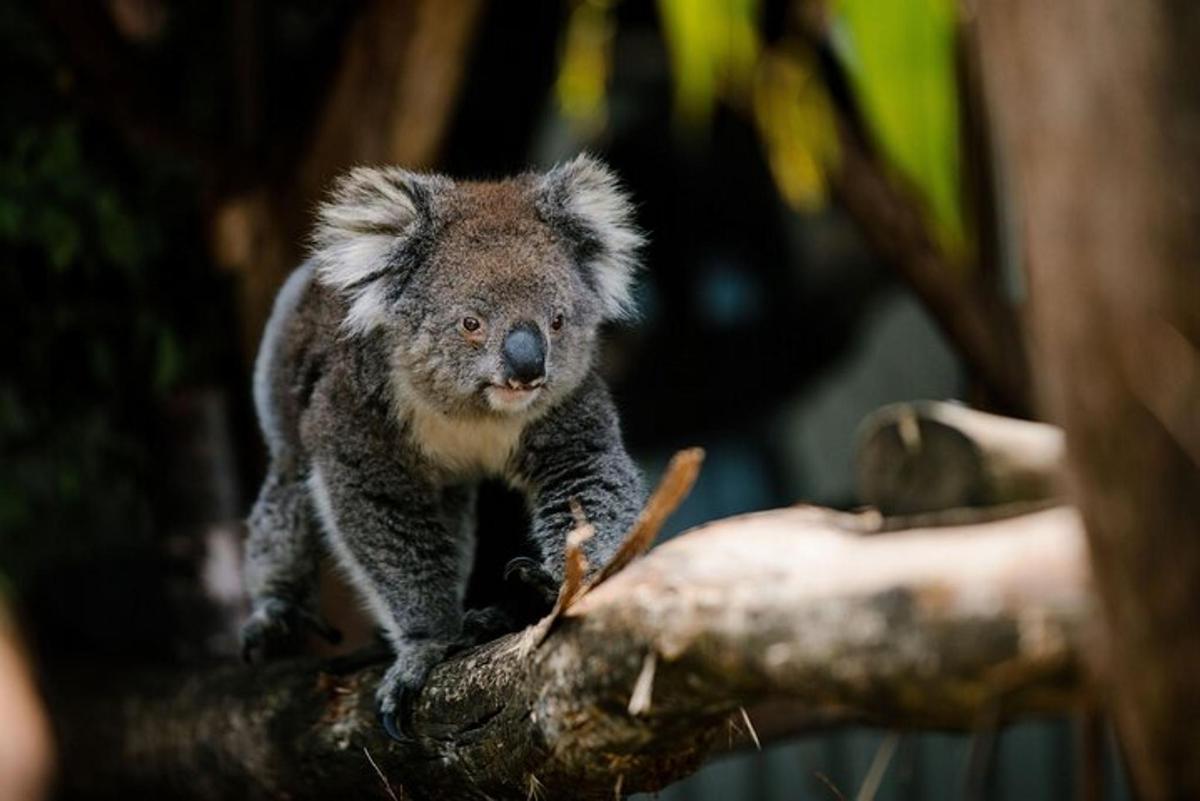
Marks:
<point>608,490</point>
<point>408,552</point>
<point>282,553</point>
<point>578,457</point>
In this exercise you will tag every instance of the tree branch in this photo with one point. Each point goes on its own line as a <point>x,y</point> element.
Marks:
<point>931,628</point>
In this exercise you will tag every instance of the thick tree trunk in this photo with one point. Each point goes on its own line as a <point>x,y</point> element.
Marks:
<point>642,677</point>
<point>1100,119</point>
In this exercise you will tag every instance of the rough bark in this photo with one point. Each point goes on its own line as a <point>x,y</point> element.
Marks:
<point>1100,122</point>
<point>642,677</point>
<point>925,457</point>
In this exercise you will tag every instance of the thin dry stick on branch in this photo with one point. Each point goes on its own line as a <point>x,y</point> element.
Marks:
<point>387,785</point>
<point>676,483</point>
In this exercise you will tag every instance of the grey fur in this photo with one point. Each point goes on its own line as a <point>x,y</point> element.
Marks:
<point>382,411</point>
<point>289,297</point>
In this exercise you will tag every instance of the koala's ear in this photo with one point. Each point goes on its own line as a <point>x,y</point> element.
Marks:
<point>372,233</point>
<point>585,203</point>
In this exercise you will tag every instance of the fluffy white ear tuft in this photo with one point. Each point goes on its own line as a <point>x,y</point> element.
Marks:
<point>361,235</point>
<point>584,200</point>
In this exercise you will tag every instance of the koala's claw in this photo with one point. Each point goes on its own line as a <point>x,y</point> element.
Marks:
<point>531,573</point>
<point>402,683</point>
<point>395,714</point>
<point>388,721</point>
<point>398,724</point>
<point>275,626</point>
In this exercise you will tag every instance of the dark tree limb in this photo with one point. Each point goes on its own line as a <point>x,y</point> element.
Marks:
<point>640,679</point>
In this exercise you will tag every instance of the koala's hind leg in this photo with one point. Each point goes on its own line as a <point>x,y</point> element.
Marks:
<point>282,554</point>
<point>408,551</point>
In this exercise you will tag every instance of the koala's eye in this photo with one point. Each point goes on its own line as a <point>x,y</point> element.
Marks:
<point>470,324</point>
<point>557,322</point>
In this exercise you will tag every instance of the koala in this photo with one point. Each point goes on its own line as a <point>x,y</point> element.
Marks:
<point>442,333</point>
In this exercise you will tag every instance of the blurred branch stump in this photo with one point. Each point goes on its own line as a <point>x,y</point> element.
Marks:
<point>642,677</point>
<point>924,457</point>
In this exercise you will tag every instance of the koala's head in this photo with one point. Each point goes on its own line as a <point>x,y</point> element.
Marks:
<point>488,294</point>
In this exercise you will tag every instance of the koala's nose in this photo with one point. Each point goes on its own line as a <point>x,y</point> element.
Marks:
<point>524,353</point>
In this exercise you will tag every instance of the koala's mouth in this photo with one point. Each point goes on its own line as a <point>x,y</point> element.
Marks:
<point>508,398</point>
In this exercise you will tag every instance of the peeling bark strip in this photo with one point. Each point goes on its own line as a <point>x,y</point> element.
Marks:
<point>939,627</point>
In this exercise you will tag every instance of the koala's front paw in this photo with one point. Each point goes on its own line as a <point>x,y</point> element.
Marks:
<point>276,626</point>
<point>402,683</point>
<point>533,575</point>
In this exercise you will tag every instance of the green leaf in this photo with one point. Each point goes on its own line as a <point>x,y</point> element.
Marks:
<point>796,123</point>
<point>900,55</point>
<point>714,46</point>
<point>586,65</point>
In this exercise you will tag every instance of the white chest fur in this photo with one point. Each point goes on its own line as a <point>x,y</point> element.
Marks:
<point>481,445</point>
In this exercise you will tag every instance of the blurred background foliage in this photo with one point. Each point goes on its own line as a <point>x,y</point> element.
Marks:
<point>94,338</point>
<point>899,56</point>
<point>108,293</point>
